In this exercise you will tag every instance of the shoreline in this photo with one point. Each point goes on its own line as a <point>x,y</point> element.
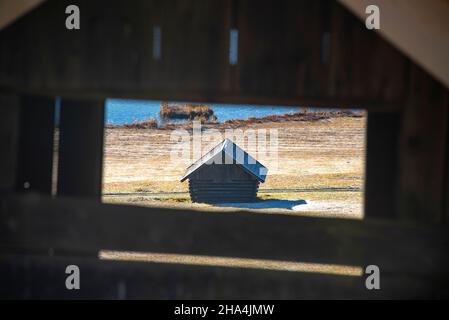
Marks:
<point>305,116</point>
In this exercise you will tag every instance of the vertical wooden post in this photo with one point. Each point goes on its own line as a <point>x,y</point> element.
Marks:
<point>381,173</point>
<point>445,216</point>
<point>9,132</point>
<point>423,144</point>
<point>35,162</point>
<point>81,148</point>
<point>406,169</point>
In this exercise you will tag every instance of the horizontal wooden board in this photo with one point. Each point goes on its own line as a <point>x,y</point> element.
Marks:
<point>38,223</point>
<point>290,52</point>
<point>40,277</point>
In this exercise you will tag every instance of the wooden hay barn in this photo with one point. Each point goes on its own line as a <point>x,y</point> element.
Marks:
<point>225,174</point>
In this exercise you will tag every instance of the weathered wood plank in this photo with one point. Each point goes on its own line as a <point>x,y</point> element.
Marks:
<point>35,160</point>
<point>28,277</point>
<point>80,161</point>
<point>429,42</point>
<point>35,222</point>
<point>278,63</point>
<point>362,63</point>
<point>423,145</point>
<point>381,171</point>
<point>9,137</point>
<point>445,218</point>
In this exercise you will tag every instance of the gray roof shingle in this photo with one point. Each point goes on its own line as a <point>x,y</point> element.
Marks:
<point>229,153</point>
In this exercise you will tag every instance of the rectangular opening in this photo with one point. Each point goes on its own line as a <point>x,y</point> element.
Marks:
<point>325,47</point>
<point>315,158</point>
<point>233,46</point>
<point>157,43</point>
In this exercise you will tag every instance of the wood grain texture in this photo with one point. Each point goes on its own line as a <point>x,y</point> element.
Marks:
<point>427,45</point>
<point>9,137</point>
<point>382,165</point>
<point>280,54</point>
<point>38,277</point>
<point>423,145</point>
<point>35,158</point>
<point>80,160</point>
<point>37,223</point>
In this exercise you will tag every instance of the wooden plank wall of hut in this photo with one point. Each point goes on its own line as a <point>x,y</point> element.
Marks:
<point>290,53</point>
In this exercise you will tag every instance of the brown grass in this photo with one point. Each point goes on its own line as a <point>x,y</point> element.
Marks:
<point>144,124</point>
<point>315,155</point>
<point>317,152</point>
<point>295,116</point>
<point>204,114</point>
<point>190,112</point>
<point>303,116</point>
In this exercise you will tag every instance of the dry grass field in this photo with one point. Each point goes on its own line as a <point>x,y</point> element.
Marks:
<point>320,162</point>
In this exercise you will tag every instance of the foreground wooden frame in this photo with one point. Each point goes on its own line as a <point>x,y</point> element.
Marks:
<point>407,170</point>
<point>73,231</point>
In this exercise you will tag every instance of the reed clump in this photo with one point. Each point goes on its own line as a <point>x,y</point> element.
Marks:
<point>187,112</point>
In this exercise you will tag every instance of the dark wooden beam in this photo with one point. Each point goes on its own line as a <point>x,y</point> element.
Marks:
<point>278,62</point>
<point>445,218</point>
<point>80,161</point>
<point>35,162</point>
<point>36,223</point>
<point>423,145</point>
<point>40,277</point>
<point>9,137</point>
<point>381,170</point>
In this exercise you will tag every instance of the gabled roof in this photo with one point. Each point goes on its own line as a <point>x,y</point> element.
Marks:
<point>11,10</point>
<point>227,152</point>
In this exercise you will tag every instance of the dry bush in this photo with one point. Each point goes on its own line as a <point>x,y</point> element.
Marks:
<point>144,124</point>
<point>191,112</point>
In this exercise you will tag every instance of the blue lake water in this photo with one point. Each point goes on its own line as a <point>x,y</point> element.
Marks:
<point>120,111</point>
